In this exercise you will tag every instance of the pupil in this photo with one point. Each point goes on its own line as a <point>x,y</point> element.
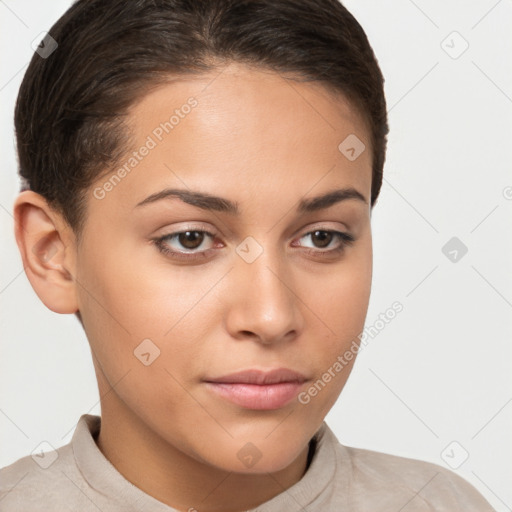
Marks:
<point>323,238</point>
<point>189,239</point>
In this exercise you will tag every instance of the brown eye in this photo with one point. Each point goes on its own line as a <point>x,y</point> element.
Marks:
<point>186,244</point>
<point>327,242</point>
<point>324,237</point>
<point>191,239</point>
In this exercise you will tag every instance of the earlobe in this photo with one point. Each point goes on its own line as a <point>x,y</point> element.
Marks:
<point>47,249</point>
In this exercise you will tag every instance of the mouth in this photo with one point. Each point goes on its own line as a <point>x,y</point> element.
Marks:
<point>256,389</point>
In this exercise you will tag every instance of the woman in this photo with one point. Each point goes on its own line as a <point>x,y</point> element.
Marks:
<point>199,178</point>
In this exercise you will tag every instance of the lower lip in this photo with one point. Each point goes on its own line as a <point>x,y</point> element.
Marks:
<point>258,397</point>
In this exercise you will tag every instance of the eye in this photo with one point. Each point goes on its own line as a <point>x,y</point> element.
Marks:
<point>190,240</point>
<point>325,237</point>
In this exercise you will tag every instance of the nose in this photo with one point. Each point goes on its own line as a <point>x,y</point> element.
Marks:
<point>264,305</point>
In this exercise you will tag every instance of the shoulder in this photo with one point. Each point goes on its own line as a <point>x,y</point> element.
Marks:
<point>410,483</point>
<point>33,481</point>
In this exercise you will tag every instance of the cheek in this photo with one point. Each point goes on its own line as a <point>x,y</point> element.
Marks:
<point>136,305</point>
<point>341,302</point>
<point>342,308</point>
<point>346,294</point>
<point>125,289</point>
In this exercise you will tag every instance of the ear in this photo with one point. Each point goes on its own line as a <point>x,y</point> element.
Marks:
<point>47,246</point>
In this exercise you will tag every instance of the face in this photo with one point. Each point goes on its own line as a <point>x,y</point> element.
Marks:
<point>177,292</point>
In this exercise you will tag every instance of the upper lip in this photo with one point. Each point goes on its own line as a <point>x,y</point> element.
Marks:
<point>254,376</point>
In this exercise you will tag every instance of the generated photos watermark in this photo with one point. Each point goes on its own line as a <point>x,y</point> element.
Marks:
<point>343,360</point>
<point>152,141</point>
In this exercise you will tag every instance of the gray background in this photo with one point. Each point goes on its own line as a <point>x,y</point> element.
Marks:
<point>435,383</point>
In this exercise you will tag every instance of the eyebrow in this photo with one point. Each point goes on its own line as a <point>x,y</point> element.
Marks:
<point>219,204</point>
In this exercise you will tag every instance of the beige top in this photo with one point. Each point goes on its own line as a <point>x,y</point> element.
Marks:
<point>338,479</point>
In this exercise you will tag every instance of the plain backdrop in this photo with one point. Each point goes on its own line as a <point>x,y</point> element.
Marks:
<point>435,382</point>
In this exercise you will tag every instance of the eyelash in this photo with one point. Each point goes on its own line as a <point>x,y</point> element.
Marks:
<point>346,240</point>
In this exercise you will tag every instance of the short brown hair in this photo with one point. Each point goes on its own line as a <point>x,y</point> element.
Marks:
<point>70,107</point>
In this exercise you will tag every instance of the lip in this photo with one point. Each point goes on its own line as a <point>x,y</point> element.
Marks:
<point>256,389</point>
<point>255,376</point>
<point>256,396</point>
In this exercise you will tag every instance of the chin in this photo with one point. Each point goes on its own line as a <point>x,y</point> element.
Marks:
<point>257,458</point>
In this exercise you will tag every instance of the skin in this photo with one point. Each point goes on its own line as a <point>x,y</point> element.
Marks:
<point>262,141</point>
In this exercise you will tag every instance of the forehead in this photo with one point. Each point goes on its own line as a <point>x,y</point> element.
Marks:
<point>237,131</point>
